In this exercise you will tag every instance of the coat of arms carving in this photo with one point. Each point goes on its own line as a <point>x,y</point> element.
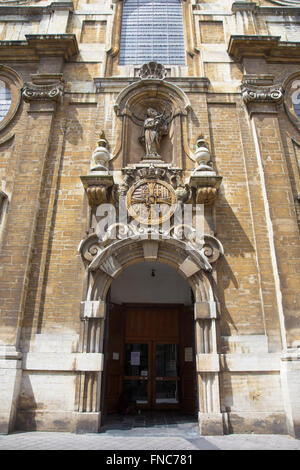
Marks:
<point>151,202</point>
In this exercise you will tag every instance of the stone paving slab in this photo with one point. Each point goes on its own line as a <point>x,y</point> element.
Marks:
<point>102,441</point>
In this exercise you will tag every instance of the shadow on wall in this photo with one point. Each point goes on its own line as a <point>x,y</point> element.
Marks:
<point>230,232</point>
<point>236,245</point>
<point>225,278</point>
<point>27,407</point>
<point>70,130</point>
<point>74,130</point>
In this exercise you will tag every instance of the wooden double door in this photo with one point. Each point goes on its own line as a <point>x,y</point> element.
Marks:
<point>150,358</point>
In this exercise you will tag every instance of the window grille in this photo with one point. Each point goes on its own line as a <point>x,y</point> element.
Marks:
<point>5,100</point>
<point>152,30</point>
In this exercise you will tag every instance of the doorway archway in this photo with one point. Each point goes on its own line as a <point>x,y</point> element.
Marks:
<point>105,262</point>
<point>149,347</point>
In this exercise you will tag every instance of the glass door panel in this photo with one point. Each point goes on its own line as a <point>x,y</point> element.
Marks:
<point>136,391</point>
<point>151,375</point>
<point>166,392</point>
<point>166,374</point>
<point>135,384</point>
<point>166,360</point>
<point>136,360</point>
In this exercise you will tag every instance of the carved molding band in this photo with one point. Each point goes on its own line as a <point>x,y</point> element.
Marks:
<point>252,94</point>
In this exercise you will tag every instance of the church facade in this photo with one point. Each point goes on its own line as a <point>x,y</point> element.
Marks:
<point>149,213</point>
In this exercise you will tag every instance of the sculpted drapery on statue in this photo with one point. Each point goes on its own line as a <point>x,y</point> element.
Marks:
<point>155,126</point>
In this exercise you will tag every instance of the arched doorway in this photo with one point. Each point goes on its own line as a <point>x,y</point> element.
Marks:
<point>149,342</point>
<point>106,261</point>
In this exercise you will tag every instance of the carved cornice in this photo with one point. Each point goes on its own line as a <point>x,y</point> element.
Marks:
<point>255,94</point>
<point>263,80</point>
<point>291,354</point>
<point>25,7</point>
<point>39,45</point>
<point>268,47</point>
<point>242,5</point>
<point>292,7</point>
<point>117,84</point>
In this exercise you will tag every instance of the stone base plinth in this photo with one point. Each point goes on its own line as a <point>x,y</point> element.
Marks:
<point>210,424</point>
<point>58,421</point>
<point>10,381</point>
<point>88,422</point>
<point>254,423</point>
<point>290,380</point>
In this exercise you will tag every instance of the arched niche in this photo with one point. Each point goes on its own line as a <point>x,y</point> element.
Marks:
<point>131,109</point>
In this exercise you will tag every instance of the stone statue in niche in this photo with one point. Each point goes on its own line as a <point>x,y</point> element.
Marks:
<point>155,126</point>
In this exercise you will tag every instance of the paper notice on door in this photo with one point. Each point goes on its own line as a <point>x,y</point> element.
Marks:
<point>188,354</point>
<point>135,358</point>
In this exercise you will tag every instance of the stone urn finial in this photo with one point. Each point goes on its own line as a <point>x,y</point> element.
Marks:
<point>101,155</point>
<point>202,156</point>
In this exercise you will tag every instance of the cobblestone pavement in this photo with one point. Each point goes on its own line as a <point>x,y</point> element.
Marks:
<point>152,431</point>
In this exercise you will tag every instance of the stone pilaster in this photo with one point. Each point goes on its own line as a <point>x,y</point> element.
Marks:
<point>282,230</point>
<point>290,379</point>
<point>42,94</point>
<point>207,368</point>
<point>88,416</point>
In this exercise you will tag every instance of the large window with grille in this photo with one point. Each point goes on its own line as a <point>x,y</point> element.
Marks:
<point>152,30</point>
